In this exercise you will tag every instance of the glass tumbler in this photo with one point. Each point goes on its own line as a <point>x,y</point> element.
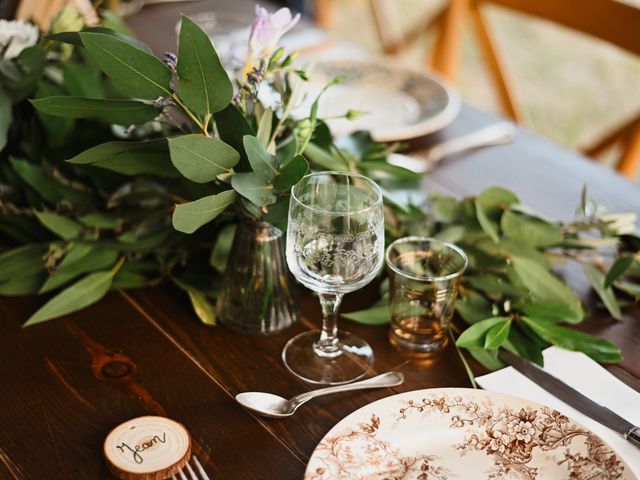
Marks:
<point>424,275</point>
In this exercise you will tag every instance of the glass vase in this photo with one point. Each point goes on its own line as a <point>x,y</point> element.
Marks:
<point>258,292</point>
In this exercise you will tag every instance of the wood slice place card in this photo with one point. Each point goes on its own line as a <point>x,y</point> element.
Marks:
<point>147,448</point>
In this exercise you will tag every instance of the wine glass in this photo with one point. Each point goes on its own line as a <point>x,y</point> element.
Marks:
<point>335,245</point>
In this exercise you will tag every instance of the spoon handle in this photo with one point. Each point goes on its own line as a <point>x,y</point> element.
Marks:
<point>389,379</point>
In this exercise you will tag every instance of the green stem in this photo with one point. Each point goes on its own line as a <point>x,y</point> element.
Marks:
<point>190,114</point>
<point>464,360</point>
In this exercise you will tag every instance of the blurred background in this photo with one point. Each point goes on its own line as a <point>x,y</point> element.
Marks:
<point>569,87</point>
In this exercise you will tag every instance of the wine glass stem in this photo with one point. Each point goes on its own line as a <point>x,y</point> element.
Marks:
<point>328,345</point>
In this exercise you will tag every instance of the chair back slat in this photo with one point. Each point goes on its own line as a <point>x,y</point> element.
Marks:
<point>613,21</point>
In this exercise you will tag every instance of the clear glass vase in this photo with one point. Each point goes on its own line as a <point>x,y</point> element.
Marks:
<point>258,292</point>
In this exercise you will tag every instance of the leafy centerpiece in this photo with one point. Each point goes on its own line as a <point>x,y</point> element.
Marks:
<point>121,170</point>
<point>510,296</point>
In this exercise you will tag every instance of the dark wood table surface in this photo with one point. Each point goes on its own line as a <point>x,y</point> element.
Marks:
<point>66,383</point>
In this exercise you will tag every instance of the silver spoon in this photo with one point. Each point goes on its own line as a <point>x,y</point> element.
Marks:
<point>423,161</point>
<point>274,406</point>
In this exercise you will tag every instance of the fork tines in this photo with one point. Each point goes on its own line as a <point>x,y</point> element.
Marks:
<point>195,472</point>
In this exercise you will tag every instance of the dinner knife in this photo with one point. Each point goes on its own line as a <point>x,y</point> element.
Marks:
<point>574,398</point>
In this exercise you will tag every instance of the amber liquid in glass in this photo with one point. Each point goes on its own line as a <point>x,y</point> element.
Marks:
<point>420,317</point>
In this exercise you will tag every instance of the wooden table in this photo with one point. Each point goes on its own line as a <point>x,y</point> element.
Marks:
<point>66,383</point>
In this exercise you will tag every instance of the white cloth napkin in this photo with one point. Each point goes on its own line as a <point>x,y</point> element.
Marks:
<point>589,378</point>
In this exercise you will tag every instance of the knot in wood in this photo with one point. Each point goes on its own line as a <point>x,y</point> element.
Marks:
<point>117,369</point>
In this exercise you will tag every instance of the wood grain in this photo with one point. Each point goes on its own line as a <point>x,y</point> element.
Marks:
<point>109,365</point>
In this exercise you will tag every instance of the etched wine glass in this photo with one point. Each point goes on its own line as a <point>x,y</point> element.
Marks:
<point>335,245</point>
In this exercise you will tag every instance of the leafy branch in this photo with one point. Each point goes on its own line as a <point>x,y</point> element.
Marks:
<point>511,296</point>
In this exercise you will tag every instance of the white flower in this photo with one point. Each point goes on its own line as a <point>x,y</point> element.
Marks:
<point>268,29</point>
<point>525,431</point>
<point>498,442</point>
<point>15,36</point>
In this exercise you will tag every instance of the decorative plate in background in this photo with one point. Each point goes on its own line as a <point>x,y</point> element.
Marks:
<point>400,103</point>
<point>446,433</point>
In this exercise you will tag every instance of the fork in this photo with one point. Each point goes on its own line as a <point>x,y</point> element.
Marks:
<point>423,161</point>
<point>191,471</point>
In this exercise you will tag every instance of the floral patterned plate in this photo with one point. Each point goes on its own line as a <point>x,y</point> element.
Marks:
<point>446,433</point>
<point>399,103</point>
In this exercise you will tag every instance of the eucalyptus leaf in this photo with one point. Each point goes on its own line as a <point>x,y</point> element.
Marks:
<point>523,346</point>
<point>143,243</point>
<point>475,334</point>
<point>390,200</point>
<point>116,23</point>
<point>222,248</point>
<point>444,208</point>
<point>22,284</point>
<point>488,358</point>
<point>253,188</point>
<point>188,217</point>
<point>58,129</point>
<point>493,284</point>
<point>291,173</point>
<point>133,71</point>
<point>387,170</point>
<point>81,259</point>
<point>100,220</point>
<point>264,127</point>
<point>618,268</point>
<point>530,230</point>
<point>278,213</point>
<point>473,307</point>
<point>130,158</point>
<point>599,349</point>
<point>232,128</point>
<point>497,335</point>
<point>82,80</point>
<point>508,248</point>
<point>489,207</point>
<point>286,150</point>
<point>81,294</point>
<point>5,117</point>
<point>378,315</point>
<point>23,229</point>
<point>597,279</point>
<point>62,226</point>
<point>23,261</point>
<point>553,312</point>
<point>204,85</point>
<point>202,307</point>
<point>324,159</point>
<point>629,288</point>
<point>73,38</point>
<point>36,178</point>
<point>125,280</point>
<point>201,159</point>
<point>121,112</point>
<point>264,165</point>
<point>546,287</point>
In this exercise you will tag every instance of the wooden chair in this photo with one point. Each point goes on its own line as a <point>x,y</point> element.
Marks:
<point>42,11</point>
<point>392,38</point>
<point>613,21</point>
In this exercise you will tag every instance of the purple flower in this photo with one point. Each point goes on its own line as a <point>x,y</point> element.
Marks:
<point>267,29</point>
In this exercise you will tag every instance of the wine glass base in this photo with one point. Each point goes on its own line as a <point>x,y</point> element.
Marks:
<point>301,360</point>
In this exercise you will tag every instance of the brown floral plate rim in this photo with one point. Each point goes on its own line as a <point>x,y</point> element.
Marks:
<point>507,429</point>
